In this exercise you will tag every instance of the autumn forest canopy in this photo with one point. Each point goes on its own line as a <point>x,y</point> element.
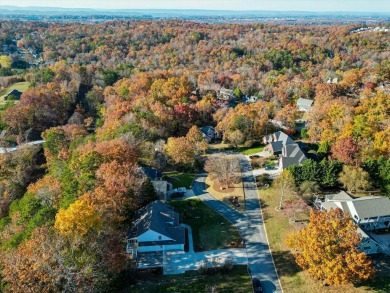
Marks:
<point>111,97</point>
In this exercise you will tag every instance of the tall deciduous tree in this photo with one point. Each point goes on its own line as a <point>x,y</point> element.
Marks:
<point>354,178</point>
<point>195,137</point>
<point>180,151</point>
<point>284,184</point>
<point>346,150</point>
<point>328,249</point>
<point>223,168</point>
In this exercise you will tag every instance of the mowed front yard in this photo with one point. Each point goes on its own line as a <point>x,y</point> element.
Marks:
<point>210,230</point>
<point>179,179</point>
<point>20,86</point>
<point>236,280</point>
<point>295,280</point>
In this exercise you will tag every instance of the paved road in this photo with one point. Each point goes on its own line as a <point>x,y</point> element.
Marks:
<point>249,224</point>
<point>9,150</point>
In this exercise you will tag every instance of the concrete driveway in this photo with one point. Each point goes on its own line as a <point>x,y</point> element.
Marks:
<point>249,224</point>
<point>180,262</point>
<point>272,173</point>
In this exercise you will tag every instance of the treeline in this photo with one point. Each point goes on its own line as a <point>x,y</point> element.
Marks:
<point>112,97</point>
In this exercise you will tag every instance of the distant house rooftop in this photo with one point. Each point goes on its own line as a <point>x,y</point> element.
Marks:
<point>304,104</point>
<point>14,93</point>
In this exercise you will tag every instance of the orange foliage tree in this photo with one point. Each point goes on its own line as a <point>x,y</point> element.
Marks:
<point>328,249</point>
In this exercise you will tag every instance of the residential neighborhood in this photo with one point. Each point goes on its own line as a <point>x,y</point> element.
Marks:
<point>191,149</point>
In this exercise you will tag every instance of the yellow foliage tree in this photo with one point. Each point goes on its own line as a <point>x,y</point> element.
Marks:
<point>77,220</point>
<point>328,249</point>
<point>5,61</point>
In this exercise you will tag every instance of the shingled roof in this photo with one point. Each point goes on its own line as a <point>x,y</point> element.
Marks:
<point>160,218</point>
<point>292,154</point>
<point>371,207</point>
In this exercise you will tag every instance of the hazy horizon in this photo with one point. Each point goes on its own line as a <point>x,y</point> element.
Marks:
<point>361,6</point>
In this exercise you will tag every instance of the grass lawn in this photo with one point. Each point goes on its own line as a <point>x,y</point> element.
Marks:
<point>214,147</point>
<point>180,179</point>
<point>235,280</point>
<point>236,190</point>
<point>20,86</point>
<point>250,151</point>
<point>293,279</point>
<point>210,230</point>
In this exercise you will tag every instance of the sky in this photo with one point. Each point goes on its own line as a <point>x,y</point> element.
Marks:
<point>279,5</point>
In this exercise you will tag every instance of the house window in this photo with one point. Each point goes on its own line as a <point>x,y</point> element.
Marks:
<point>159,237</point>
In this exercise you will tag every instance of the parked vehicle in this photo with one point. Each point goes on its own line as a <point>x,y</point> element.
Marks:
<point>270,168</point>
<point>254,157</point>
<point>177,195</point>
<point>180,189</point>
<point>257,288</point>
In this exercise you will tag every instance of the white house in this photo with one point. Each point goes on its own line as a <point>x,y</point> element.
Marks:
<point>251,99</point>
<point>226,94</point>
<point>371,213</point>
<point>155,229</point>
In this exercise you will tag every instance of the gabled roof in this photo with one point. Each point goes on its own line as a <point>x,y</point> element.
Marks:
<point>151,173</point>
<point>160,218</point>
<point>276,146</point>
<point>305,102</point>
<point>292,154</point>
<point>284,138</point>
<point>207,129</point>
<point>342,195</point>
<point>15,93</point>
<point>371,207</point>
<point>279,136</point>
<point>365,207</point>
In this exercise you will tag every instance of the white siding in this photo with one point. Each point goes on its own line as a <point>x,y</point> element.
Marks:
<point>152,236</point>
<point>160,248</point>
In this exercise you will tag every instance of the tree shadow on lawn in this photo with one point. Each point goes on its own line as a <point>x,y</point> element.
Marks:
<point>285,263</point>
<point>381,281</point>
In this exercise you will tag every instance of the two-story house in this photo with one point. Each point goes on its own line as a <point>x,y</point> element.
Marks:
<point>155,228</point>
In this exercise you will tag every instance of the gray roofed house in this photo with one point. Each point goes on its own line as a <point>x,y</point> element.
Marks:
<point>276,141</point>
<point>292,154</point>
<point>152,174</point>
<point>14,95</point>
<point>208,133</point>
<point>342,195</point>
<point>370,213</point>
<point>156,228</point>
<point>225,94</point>
<point>304,104</point>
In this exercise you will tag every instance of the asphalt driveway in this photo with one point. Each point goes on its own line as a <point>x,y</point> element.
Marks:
<point>249,224</point>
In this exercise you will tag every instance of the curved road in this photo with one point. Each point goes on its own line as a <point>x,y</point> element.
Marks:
<point>9,150</point>
<point>249,224</point>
